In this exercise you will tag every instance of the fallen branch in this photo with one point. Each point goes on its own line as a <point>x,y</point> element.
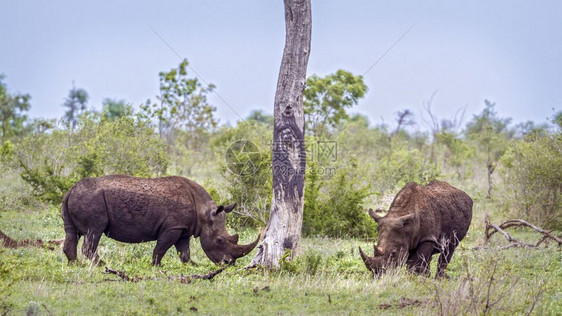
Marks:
<point>189,278</point>
<point>183,279</point>
<point>491,229</point>
<point>11,243</point>
<point>122,275</point>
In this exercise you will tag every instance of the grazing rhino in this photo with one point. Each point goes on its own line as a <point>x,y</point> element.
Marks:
<point>422,221</point>
<point>169,210</point>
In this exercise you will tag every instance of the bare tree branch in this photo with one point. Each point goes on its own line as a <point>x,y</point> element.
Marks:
<point>491,229</point>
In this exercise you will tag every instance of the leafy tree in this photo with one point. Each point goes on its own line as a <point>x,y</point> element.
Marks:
<point>525,128</point>
<point>51,163</point>
<point>457,152</point>
<point>404,118</point>
<point>76,104</point>
<point>534,177</point>
<point>326,99</point>
<point>12,109</point>
<point>183,105</point>
<point>114,109</point>
<point>438,126</point>
<point>260,116</point>
<point>491,134</point>
<point>356,137</point>
<point>360,120</point>
<point>41,125</point>
<point>557,120</point>
<point>403,165</point>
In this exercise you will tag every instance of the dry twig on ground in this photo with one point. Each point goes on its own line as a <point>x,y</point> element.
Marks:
<point>182,278</point>
<point>11,243</point>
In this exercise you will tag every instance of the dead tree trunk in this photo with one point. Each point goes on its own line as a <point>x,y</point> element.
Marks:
<point>283,229</point>
<point>490,167</point>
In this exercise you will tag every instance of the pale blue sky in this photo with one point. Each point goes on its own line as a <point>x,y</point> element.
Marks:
<point>507,51</point>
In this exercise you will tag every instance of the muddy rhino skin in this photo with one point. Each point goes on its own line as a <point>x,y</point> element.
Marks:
<point>422,221</point>
<point>132,210</point>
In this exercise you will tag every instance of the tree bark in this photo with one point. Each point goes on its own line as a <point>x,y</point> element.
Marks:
<point>283,230</point>
<point>490,167</point>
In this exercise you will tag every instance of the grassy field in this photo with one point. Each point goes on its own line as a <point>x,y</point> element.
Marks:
<point>328,277</point>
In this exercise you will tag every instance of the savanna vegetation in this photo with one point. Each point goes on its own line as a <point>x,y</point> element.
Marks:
<point>509,170</point>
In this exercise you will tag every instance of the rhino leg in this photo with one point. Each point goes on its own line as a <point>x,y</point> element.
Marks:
<point>90,246</point>
<point>70,244</point>
<point>165,240</point>
<point>444,259</point>
<point>419,259</point>
<point>182,246</point>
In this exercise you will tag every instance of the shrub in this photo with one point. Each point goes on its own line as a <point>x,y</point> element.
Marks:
<point>52,163</point>
<point>533,170</point>
<point>334,207</point>
<point>400,167</point>
<point>244,159</point>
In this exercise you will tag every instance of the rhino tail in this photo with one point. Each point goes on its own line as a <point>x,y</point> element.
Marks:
<point>69,226</point>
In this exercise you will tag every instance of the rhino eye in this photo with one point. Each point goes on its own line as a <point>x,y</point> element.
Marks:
<point>220,240</point>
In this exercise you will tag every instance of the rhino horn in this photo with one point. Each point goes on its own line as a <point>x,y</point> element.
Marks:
<point>374,215</point>
<point>242,250</point>
<point>366,259</point>
<point>233,238</point>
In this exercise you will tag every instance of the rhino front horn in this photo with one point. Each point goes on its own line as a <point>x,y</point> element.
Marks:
<point>242,250</point>
<point>366,259</point>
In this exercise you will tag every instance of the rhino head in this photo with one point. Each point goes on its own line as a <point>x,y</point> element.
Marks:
<point>217,243</point>
<point>396,237</point>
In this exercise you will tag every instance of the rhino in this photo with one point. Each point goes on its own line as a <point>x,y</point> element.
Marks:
<point>422,221</point>
<point>133,210</point>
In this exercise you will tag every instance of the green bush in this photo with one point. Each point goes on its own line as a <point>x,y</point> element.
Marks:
<point>456,153</point>
<point>400,167</point>
<point>52,163</point>
<point>533,171</point>
<point>389,161</point>
<point>334,207</point>
<point>244,160</point>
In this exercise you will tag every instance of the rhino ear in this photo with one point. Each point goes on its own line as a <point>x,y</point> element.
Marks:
<point>374,215</point>
<point>229,208</point>
<point>218,210</point>
<point>226,209</point>
<point>407,219</point>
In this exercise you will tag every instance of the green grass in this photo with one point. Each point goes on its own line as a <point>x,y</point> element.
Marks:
<point>328,277</point>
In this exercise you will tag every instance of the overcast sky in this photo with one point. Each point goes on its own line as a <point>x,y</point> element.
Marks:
<point>509,52</point>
